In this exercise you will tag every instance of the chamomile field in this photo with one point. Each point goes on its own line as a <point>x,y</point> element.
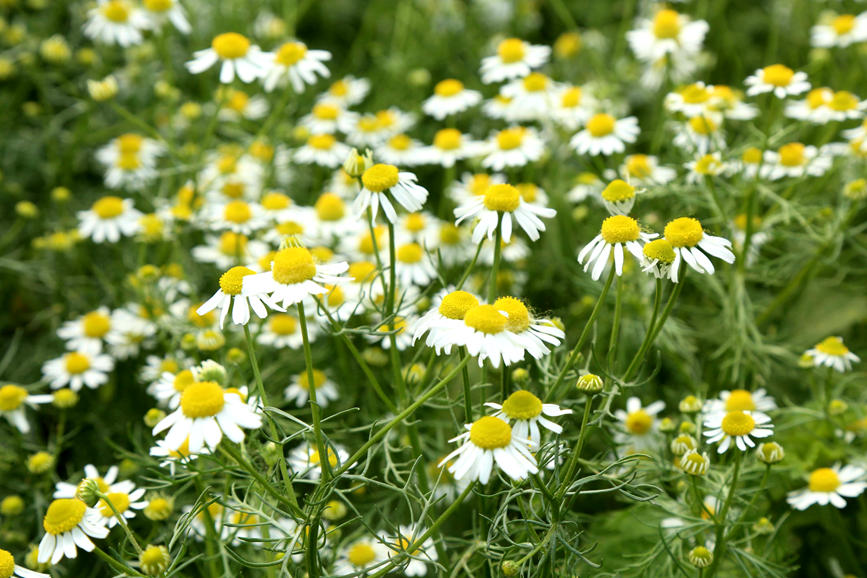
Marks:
<point>477,288</point>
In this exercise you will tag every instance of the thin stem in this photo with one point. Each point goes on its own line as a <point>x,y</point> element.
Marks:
<point>545,539</point>
<point>324,461</point>
<point>397,376</point>
<point>121,520</point>
<point>648,335</point>
<point>719,549</point>
<point>116,564</point>
<point>229,450</point>
<point>470,267</point>
<point>576,452</point>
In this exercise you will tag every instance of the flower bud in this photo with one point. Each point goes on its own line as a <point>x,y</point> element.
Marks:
<point>806,361</point>
<point>236,355</point>
<point>154,416</point>
<point>64,398</point>
<point>40,463</point>
<point>770,453</point>
<point>700,557</point>
<point>355,164</point>
<point>159,508</point>
<point>334,510</point>
<point>11,505</point>
<point>763,526</point>
<point>102,90</point>
<point>154,560</point>
<point>26,210</point>
<point>210,370</point>
<point>415,373</point>
<point>690,404</point>
<point>694,463</point>
<point>520,375</point>
<point>510,568</point>
<point>590,383</point>
<point>666,425</point>
<point>856,190</point>
<point>271,453</point>
<point>60,194</point>
<point>682,444</point>
<point>88,492</point>
<point>837,407</point>
<point>687,427</point>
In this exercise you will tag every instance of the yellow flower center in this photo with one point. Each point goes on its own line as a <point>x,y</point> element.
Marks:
<point>63,515</point>
<point>659,249</point>
<point>510,138</point>
<point>158,5</point>
<point>290,53</point>
<point>843,100</point>
<point>479,184</point>
<point>620,229</point>
<point>232,280</point>
<point>336,296</point>
<point>666,24</point>
<point>486,319</point>
<point>601,125</point>
<point>11,397</point>
<point>230,45</point>
<point>379,178</point>
<point>318,380</point>
<point>737,423</point>
<point>361,271</point>
<point>519,316</point>
<point>385,118</point>
<point>522,405</point>
<point>238,101</point>
<point>535,82</point>
<point>129,143</point>
<point>324,111</point>
<point>286,229</point>
<point>339,88</point>
<point>447,139</point>
<point>322,142</point>
<point>205,320</point>
<point>7,564</point>
<point>400,142</point>
<point>843,24</point>
<point>315,458</point>
<point>183,380</point>
<point>490,433</point>
<point>361,554</point>
<point>824,480</point>
<point>571,97</point>
<point>511,50</point>
<point>275,201</point>
<point>283,324</point>
<point>818,97</point>
<point>77,363</point>
<point>95,324</point>
<point>833,346</point>
<point>618,191</point>
<point>330,207</point>
<point>528,191</point>
<point>702,125</point>
<point>108,207</point>
<point>365,245</point>
<point>792,155</point>
<point>128,161</point>
<point>503,198</point>
<point>740,400</point>
<point>233,243</point>
<point>116,11</point>
<point>707,165</point>
<point>695,94</point>
<point>119,500</point>
<point>684,232</point>
<point>777,75</point>
<point>293,265</point>
<point>202,399</point>
<point>639,422</point>
<point>415,223</point>
<point>233,190</point>
<point>237,212</point>
<point>638,166</point>
<point>262,151</point>
<point>448,87</point>
<point>227,164</point>
<point>410,253</point>
<point>399,326</point>
<point>456,304</point>
<point>450,234</point>
<point>752,156</point>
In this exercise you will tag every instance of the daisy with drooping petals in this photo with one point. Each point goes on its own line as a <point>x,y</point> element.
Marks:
<point>497,207</point>
<point>77,369</point>
<point>604,134</point>
<point>13,400</point>
<point>830,486</point>
<point>534,335</point>
<point>9,569</point>
<point>115,22</point>
<point>528,413</point>
<point>238,56</point>
<point>617,232</point>
<point>381,182</point>
<point>294,63</point>
<point>513,147</point>
<point>125,503</point>
<point>618,196</point>
<point>158,12</point>
<point>657,259</point>
<point>487,441</point>
<point>299,388</point>
<point>109,219</point>
<point>737,428</point>
<point>690,243</point>
<point>831,352</point>
<point>293,276</point>
<point>69,524</point>
<point>207,412</point>
<point>514,59</point>
<point>779,79</point>
<point>231,295</point>
<point>450,97</point>
<point>322,149</point>
<point>444,323</point>
<point>839,31</point>
<point>306,461</point>
<point>667,33</point>
<point>485,335</point>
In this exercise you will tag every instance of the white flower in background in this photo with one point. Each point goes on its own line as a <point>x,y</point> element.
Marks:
<point>690,243</point>
<point>358,557</point>
<point>298,391</point>
<point>528,413</point>
<point>146,150</point>
<point>159,12</point>
<point>691,100</point>
<point>534,335</point>
<point>638,422</point>
<point>69,524</point>
<point>500,204</point>
<point>585,186</point>
<point>572,107</point>
<point>657,258</point>
<point>9,569</point>
<point>444,323</point>
<point>168,388</point>
<point>77,369</point>
<point>450,97</point>
<point>779,79</point>
<point>419,557</point>
<point>323,150</point>
<point>107,483</point>
<point>531,97</point>
<point>604,134</point>
<point>306,461</point>
<point>513,147</point>
<point>346,92</point>
<point>125,503</point>
<point>740,400</point>
<point>514,59</point>
<point>845,106</point>
<point>830,486</point>
<point>295,64</point>
<point>737,428</point>
<point>485,335</point>
<point>701,134</point>
<point>88,332</point>
<point>839,31</point>
<point>238,105</point>
<point>831,352</point>
<point>401,150</point>
<point>814,108</point>
<point>450,146</point>
<point>284,330</point>
<point>794,160</point>
<point>237,55</point>
<point>381,183</point>
<point>617,232</point>
<point>109,219</point>
<point>703,166</point>
<point>414,266</point>
<point>645,170</point>
<point>488,441</point>
<point>13,400</point>
<point>667,33</point>
<point>115,22</point>
<point>327,118</point>
<point>231,295</point>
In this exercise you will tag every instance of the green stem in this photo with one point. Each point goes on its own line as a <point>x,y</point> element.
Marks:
<point>229,450</point>
<point>576,452</point>
<point>396,373</point>
<point>719,549</point>
<point>116,564</point>
<point>324,462</point>
<point>648,336</point>
<point>545,539</point>
<point>470,267</point>
<point>121,520</point>
<point>468,399</point>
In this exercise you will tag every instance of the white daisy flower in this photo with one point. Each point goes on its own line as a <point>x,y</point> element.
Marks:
<point>323,150</point>
<point>69,524</point>
<point>230,295</point>
<point>701,134</point>
<point>346,92</point>
<point>356,558</point>
<point>10,569</point>
<point>500,204</point>
<point>645,170</point>
<point>115,22</point>
<point>618,196</point>
<point>283,330</point>
<point>830,486</point>
<point>401,150</point>
<point>703,166</point>
<point>487,441</point>
<point>450,97</point>
<point>88,332</point>
<point>617,232</point>
<point>795,160</point>
<point>571,107</point>
<point>691,100</point>
<point>814,108</point>
<point>159,12</point>
<point>168,389</point>
<point>737,428</point>
<point>845,106</point>
<point>171,458</point>
<point>107,483</point>
<point>604,134</point>
<point>839,31</point>
<point>657,257</point>
<point>534,335</point>
<point>383,181</point>
<point>108,219</point>
<point>730,103</point>
<point>513,147</point>
<point>399,327</point>
<point>666,34</point>
<point>77,369</point>
<point>690,243</point>
<point>779,79</point>
<point>207,412</point>
<point>472,185</point>
<point>586,185</point>
<point>293,276</point>
<point>294,63</point>
<point>229,249</point>
<point>638,420</point>
<point>13,400</point>
<point>499,107</point>
<point>514,59</point>
<point>238,56</point>
<point>740,400</point>
<point>444,323</point>
<point>414,266</point>
<point>450,146</point>
<point>298,390</point>
<point>238,105</point>
<point>306,462</point>
<point>831,352</point>
<point>420,557</point>
<point>485,335</point>
<point>327,118</point>
<point>531,97</point>
<point>145,149</point>
<point>124,502</point>
<point>528,413</point>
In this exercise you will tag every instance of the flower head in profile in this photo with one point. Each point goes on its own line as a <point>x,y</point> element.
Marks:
<point>382,183</point>
<point>526,412</point>
<point>830,486</point>
<point>237,55</point>
<point>497,207</point>
<point>692,245</point>
<point>617,232</point>
<point>488,441</point>
<point>737,429</point>
<point>657,258</point>
<point>831,352</point>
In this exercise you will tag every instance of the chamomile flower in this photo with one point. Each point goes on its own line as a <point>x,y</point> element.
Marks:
<point>382,183</point>
<point>356,558</point>
<point>444,323</point>
<point>617,232</point>
<point>170,386</point>
<point>109,219</point>
<point>845,106</point>
<point>399,328</point>
<point>207,412</point>
<point>690,243</point>
<point>485,335</point>
<point>283,330</point>
<point>125,503</point>
<point>323,150</point>
<point>414,266</point>
<point>401,150</point>
<point>88,332</point>
<point>293,63</point>
<point>572,107</point>
<point>605,135</point>
<point>160,12</point>
<point>701,134</point>
<point>740,400</point>
<point>794,160</point>
<point>472,185</point>
<point>585,185</point>
<point>645,170</point>
<point>450,97</point>
<point>115,22</point>
<point>618,196</point>
<point>306,461</point>
<point>238,105</point>
<point>831,352</point>
<point>236,54</point>
<point>690,100</point>
<point>171,458</point>
<point>77,369</point>
<point>231,295</point>
<point>327,118</point>
<point>488,441</point>
<point>528,413</point>
<point>69,524</point>
<point>779,79</point>
<point>298,391</point>
<point>229,249</point>
<point>419,557</point>
<point>107,483</point>
<point>730,103</point>
<point>514,59</point>
<point>9,569</point>
<point>13,400</point>
<point>534,335</point>
<point>499,107</point>
<point>813,108</point>
<point>695,463</point>
<point>737,428</point>
<point>346,92</point>
<point>513,147</point>
<point>638,422</point>
<point>145,149</point>
<point>497,207</point>
<point>657,259</point>
<point>450,146</point>
<point>531,97</point>
<point>839,31</point>
<point>293,276</point>
<point>830,486</point>
<point>709,165</point>
<point>666,34</point>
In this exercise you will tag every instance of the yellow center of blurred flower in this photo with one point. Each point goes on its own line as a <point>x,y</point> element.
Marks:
<point>339,88</point>
<point>361,271</point>
<point>511,50</point>
<point>399,326</point>
<point>76,363</point>
<point>833,346</point>
<point>818,97</point>
<point>410,253</point>
<point>777,75</point>
<point>450,234</point>
<point>119,500</point>
<point>659,249</point>
<point>535,82</point>
<point>380,177</point>
<point>737,423</point>
<point>237,212</point>
<point>336,296</point>
<point>666,24</point>
<point>128,162</point>
<point>325,111</point>
<point>639,422</point>
<point>529,192</point>
<point>233,190</point>
<point>283,324</point>
<point>230,45</point>
<point>293,265</point>
<point>490,433</point>
<point>447,139</point>
<point>752,156</point>
<point>456,304</point>
<point>415,223</point>
<point>315,459</point>
<point>684,232</point>
<point>843,24</point>
<point>318,380</point>
<point>601,125</point>
<point>262,151</point>
<point>274,201</point>
<point>843,100</point>
<point>95,324</point>
<point>11,397</point>
<point>322,142</point>
<point>617,191</point>
<point>571,97</point>
<point>638,166</point>
<point>129,143</point>
<point>202,399</point>
<point>792,155</point>
<point>237,392</point>
<point>361,554</point>
<point>740,400</point>
<point>702,125</point>
<point>519,317</point>
<point>7,564</point>
<point>231,281</point>
<point>695,94</point>
<point>108,207</point>
<point>400,142</point>
<point>503,198</point>
<point>232,243</point>
<point>707,165</point>
<point>330,207</point>
<point>158,5</point>
<point>227,164</point>
<point>183,380</point>
<point>479,184</point>
<point>63,515</point>
<point>448,87</point>
<point>238,101</point>
<point>824,480</point>
<point>522,405</point>
<point>620,229</point>
<point>385,118</point>
<point>510,138</point>
<point>205,320</point>
<point>116,11</point>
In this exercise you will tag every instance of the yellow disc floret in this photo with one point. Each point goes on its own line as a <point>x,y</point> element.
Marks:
<point>639,422</point>
<point>740,400</point>
<point>361,271</point>
<point>638,166</point>
<point>522,405</point>
<point>843,24</point>
<point>738,423</point>
<point>120,500</point>
<point>237,212</point>
<point>666,24</point>
<point>410,253</point>
<point>510,138</point>
<point>447,139</point>
<point>659,249</point>
<point>684,232</point>
<point>792,155</point>
<point>232,280</point>
<point>618,191</point>
<point>330,207</point>
<point>456,304</point>
<point>11,397</point>
<point>503,198</point>
<point>535,82</point>
<point>7,564</point>
<point>283,324</point>
<point>777,75</point>
<point>519,316</point>
<point>108,207</point>
<point>63,515</point>
<point>116,11</point>
<point>322,142</point>
<point>490,433</point>
<point>325,111</point>
<point>318,380</point>
<point>202,399</point>
<point>361,554</point>
<point>448,87</point>
<point>571,97</point>
<point>293,265</point>
<point>620,229</point>
<point>76,363</point>
<point>290,53</point>
<point>824,480</point>
<point>833,346</point>
<point>95,324</point>
<point>486,319</point>
<point>380,177</point>
<point>183,380</point>
<point>601,125</point>
<point>275,201</point>
<point>511,50</point>
<point>230,45</point>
